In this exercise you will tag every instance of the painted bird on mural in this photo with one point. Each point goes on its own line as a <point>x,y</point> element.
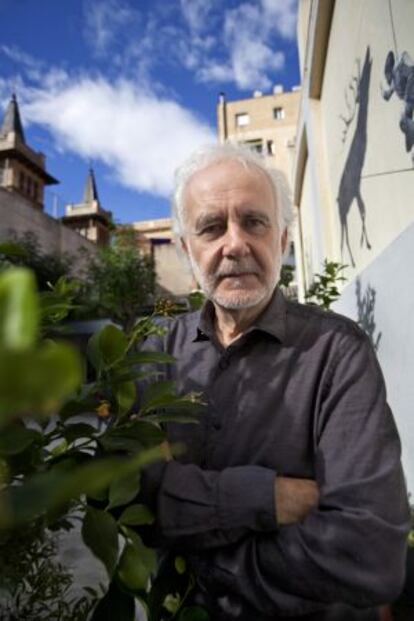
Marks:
<point>350,184</point>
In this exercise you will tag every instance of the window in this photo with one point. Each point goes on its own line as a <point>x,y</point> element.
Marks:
<point>2,173</point>
<point>242,119</point>
<point>22,180</point>
<point>255,145</point>
<point>278,113</point>
<point>271,147</point>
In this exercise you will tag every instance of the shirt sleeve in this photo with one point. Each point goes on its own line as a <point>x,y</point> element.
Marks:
<point>351,548</point>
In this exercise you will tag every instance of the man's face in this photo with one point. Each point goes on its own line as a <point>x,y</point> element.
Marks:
<point>232,234</point>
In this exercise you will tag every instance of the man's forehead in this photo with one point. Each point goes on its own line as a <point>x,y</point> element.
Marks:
<point>217,179</point>
<point>224,170</point>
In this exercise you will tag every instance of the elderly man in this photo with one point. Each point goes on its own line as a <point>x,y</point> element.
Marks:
<point>289,498</point>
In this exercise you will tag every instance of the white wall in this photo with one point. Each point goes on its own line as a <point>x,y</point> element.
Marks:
<point>384,176</point>
<point>391,277</point>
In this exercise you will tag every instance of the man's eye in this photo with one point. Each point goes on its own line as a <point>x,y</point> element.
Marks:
<point>211,229</point>
<point>254,223</point>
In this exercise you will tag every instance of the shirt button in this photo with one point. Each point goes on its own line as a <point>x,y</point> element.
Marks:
<point>224,363</point>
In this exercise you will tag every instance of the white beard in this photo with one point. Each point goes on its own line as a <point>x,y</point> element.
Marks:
<point>237,299</point>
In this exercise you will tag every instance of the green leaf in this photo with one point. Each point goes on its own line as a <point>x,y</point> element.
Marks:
<point>116,605</point>
<point>148,357</point>
<point>157,391</point>
<point>60,448</point>
<point>173,417</point>
<point>136,565</point>
<point>193,613</point>
<point>48,490</point>
<point>136,515</point>
<point>133,437</point>
<point>162,395</point>
<point>172,602</point>
<point>75,431</point>
<point>106,347</point>
<point>100,534</point>
<point>38,380</point>
<point>73,407</point>
<point>125,394</point>
<point>12,249</point>
<point>19,309</point>
<point>16,438</point>
<point>122,491</point>
<point>180,565</point>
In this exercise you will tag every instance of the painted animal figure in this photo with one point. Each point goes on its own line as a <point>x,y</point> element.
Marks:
<point>400,78</point>
<point>350,184</point>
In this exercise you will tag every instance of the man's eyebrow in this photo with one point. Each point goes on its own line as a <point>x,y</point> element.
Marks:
<point>206,219</point>
<point>255,213</point>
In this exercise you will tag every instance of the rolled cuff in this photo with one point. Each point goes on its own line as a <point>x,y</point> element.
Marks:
<point>192,500</point>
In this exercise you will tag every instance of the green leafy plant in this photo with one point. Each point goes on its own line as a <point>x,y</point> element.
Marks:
<point>72,450</point>
<point>25,251</point>
<point>324,289</point>
<point>120,282</point>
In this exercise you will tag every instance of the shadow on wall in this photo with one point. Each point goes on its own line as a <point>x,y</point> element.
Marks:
<point>366,312</point>
<point>350,184</point>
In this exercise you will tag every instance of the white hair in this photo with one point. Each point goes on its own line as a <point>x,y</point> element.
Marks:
<point>211,154</point>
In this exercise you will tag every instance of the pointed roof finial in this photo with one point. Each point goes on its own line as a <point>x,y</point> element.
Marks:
<point>12,122</point>
<point>90,193</point>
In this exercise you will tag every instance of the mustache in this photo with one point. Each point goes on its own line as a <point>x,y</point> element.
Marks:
<point>235,269</point>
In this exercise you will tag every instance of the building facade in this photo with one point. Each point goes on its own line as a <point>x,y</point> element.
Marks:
<point>265,123</point>
<point>354,175</point>
<point>174,277</point>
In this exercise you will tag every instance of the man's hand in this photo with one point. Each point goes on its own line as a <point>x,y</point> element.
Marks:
<point>294,499</point>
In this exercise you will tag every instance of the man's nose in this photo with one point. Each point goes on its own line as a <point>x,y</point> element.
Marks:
<point>235,241</point>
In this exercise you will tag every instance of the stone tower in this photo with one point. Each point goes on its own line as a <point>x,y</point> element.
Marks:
<point>88,217</point>
<point>22,170</point>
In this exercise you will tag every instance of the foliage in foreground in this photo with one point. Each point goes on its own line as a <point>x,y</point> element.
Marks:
<point>71,450</point>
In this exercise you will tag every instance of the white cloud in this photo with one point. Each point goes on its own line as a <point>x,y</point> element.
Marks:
<point>196,13</point>
<point>217,44</point>
<point>104,21</point>
<point>139,135</point>
<point>32,66</point>
<point>283,14</point>
<point>247,35</point>
<point>248,55</point>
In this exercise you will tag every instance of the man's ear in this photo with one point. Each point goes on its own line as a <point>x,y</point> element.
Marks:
<point>284,240</point>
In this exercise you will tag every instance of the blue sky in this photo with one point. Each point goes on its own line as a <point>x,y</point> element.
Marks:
<point>131,86</point>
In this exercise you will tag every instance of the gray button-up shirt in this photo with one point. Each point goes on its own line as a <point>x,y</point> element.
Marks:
<point>299,394</point>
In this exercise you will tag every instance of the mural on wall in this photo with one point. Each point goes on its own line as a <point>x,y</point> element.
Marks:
<point>350,184</point>
<point>350,96</point>
<point>400,78</point>
<point>366,312</point>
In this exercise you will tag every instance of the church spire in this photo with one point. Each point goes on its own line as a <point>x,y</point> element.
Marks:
<point>90,193</point>
<point>12,122</point>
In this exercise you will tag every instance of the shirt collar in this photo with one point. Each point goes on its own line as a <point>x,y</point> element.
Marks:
<point>272,320</point>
